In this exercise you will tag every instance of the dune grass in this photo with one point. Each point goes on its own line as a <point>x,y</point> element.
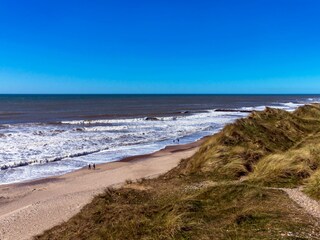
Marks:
<point>272,147</point>
<point>220,192</point>
<point>287,169</point>
<point>312,187</point>
<point>172,209</point>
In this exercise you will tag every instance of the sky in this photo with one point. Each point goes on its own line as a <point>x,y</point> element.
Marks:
<point>165,46</point>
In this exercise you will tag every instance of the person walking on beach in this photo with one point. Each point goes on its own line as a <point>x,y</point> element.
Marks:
<point>94,166</point>
<point>89,166</point>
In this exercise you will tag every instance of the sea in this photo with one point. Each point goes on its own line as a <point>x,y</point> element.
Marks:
<point>49,135</point>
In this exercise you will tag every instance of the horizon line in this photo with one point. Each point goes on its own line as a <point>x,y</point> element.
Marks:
<point>159,93</point>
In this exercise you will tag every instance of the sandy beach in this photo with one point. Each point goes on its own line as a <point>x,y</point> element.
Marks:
<point>29,208</point>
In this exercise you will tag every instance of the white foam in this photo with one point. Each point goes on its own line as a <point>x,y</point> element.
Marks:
<point>257,108</point>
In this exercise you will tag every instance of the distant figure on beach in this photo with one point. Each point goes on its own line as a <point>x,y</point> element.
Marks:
<point>89,166</point>
<point>176,141</point>
<point>94,166</point>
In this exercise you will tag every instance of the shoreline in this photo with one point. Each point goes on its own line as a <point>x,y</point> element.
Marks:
<point>29,208</point>
<point>140,157</point>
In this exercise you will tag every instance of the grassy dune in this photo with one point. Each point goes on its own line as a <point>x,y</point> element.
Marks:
<point>222,192</point>
<point>239,148</point>
<point>312,186</point>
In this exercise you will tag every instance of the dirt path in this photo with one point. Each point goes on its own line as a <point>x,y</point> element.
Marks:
<point>308,204</point>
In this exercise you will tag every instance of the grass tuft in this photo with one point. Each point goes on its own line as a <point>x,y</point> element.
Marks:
<point>312,187</point>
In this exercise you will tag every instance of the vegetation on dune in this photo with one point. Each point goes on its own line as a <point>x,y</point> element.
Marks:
<point>311,111</point>
<point>287,169</point>
<point>312,187</point>
<point>273,146</point>
<point>227,211</point>
<point>222,192</point>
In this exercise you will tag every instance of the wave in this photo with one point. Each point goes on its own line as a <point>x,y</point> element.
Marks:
<point>26,163</point>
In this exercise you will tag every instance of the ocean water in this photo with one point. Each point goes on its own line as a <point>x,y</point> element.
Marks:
<point>47,135</point>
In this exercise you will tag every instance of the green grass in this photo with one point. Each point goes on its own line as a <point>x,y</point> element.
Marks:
<point>203,198</point>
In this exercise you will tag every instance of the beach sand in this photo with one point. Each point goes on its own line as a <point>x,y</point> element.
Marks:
<point>29,208</point>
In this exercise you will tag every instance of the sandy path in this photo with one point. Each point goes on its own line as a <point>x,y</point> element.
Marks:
<point>27,209</point>
<point>309,205</point>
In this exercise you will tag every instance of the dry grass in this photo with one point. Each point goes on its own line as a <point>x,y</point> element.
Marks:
<point>273,148</point>
<point>312,186</point>
<point>287,169</point>
<point>227,211</point>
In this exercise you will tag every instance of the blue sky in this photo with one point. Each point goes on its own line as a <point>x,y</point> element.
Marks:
<point>217,46</point>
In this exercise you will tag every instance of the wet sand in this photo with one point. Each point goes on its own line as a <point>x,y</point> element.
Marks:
<point>29,208</point>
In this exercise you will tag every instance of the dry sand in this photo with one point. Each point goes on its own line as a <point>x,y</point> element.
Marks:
<point>27,209</point>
